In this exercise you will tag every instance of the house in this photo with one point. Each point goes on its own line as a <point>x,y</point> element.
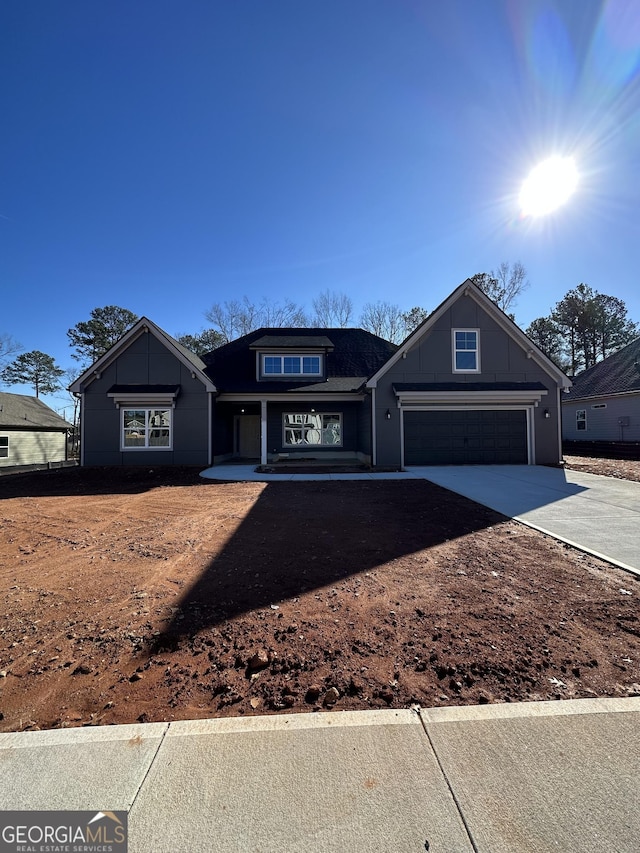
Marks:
<point>30,432</point>
<point>604,402</point>
<point>467,386</point>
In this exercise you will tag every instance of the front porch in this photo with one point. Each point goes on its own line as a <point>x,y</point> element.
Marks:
<point>329,432</point>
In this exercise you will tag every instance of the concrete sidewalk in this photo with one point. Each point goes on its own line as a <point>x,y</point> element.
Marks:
<point>492,779</point>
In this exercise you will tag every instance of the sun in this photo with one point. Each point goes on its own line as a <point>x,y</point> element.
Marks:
<point>548,186</point>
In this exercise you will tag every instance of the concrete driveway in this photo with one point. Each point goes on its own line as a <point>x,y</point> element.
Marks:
<point>599,515</point>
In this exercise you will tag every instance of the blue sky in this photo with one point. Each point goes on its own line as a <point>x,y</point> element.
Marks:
<point>163,156</point>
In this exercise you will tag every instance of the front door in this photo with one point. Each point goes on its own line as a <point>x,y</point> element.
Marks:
<point>248,433</point>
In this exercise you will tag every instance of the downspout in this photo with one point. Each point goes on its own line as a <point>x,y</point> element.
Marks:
<point>374,446</point>
<point>263,432</point>
<point>82,428</point>
<point>210,441</point>
<point>559,422</point>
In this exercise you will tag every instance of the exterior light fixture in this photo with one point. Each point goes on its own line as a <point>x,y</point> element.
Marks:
<point>387,414</point>
<point>546,413</point>
<point>312,411</point>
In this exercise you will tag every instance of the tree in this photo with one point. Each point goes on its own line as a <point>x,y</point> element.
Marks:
<point>8,347</point>
<point>92,338</point>
<point>332,310</point>
<point>385,320</point>
<point>612,327</point>
<point>584,327</point>
<point>202,342</point>
<point>413,318</point>
<point>238,317</point>
<point>504,285</point>
<point>548,337</point>
<point>36,369</point>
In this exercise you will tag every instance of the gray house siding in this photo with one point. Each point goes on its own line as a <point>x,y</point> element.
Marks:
<point>611,418</point>
<point>430,360</point>
<point>146,361</point>
<point>33,447</point>
<point>365,421</point>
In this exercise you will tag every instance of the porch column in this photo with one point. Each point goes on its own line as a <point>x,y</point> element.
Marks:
<point>263,432</point>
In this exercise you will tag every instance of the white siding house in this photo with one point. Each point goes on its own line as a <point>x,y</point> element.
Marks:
<point>30,432</point>
<point>604,402</point>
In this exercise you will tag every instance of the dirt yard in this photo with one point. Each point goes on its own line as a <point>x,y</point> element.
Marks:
<point>622,469</point>
<point>153,595</point>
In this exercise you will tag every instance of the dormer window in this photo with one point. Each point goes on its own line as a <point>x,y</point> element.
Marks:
<point>277,364</point>
<point>466,350</point>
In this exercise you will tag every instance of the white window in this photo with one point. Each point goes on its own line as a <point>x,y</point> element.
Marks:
<point>466,350</point>
<point>291,365</point>
<point>581,419</point>
<point>4,446</point>
<point>146,429</point>
<point>303,430</point>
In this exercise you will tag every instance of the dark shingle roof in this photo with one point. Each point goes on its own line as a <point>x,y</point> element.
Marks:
<point>356,356</point>
<point>616,374</point>
<point>292,341</point>
<point>21,411</point>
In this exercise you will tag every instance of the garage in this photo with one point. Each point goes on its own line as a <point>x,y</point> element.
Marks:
<point>465,437</point>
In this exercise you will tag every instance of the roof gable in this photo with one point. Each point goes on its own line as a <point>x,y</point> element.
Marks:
<point>144,325</point>
<point>471,290</point>
<point>619,373</point>
<point>20,410</point>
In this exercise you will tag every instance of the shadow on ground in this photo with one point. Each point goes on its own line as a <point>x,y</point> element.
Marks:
<point>59,482</point>
<point>304,536</point>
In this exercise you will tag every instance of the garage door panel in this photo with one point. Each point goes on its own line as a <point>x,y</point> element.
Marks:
<point>460,437</point>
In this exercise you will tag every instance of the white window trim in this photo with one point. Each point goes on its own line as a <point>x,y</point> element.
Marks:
<point>145,408</point>
<point>583,419</point>
<point>283,355</point>
<point>2,456</point>
<point>286,426</point>
<point>455,369</point>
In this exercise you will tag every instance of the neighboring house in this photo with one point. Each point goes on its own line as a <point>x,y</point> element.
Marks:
<point>467,386</point>
<point>604,402</point>
<point>30,432</point>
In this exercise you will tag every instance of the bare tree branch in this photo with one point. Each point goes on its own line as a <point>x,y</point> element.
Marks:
<point>332,310</point>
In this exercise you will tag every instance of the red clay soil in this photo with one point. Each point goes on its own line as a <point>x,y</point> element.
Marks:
<point>153,595</point>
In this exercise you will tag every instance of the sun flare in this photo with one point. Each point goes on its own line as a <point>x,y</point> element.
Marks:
<point>548,186</point>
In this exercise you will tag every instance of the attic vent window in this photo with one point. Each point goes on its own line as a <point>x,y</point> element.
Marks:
<point>599,406</point>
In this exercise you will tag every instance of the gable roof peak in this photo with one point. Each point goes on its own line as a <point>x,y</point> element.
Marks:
<point>469,289</point>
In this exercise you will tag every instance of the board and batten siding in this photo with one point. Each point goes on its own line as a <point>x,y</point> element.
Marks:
<point>146,361</point>
<point>502,359</point>
<point>33,447</point>
<point>603,419</point>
